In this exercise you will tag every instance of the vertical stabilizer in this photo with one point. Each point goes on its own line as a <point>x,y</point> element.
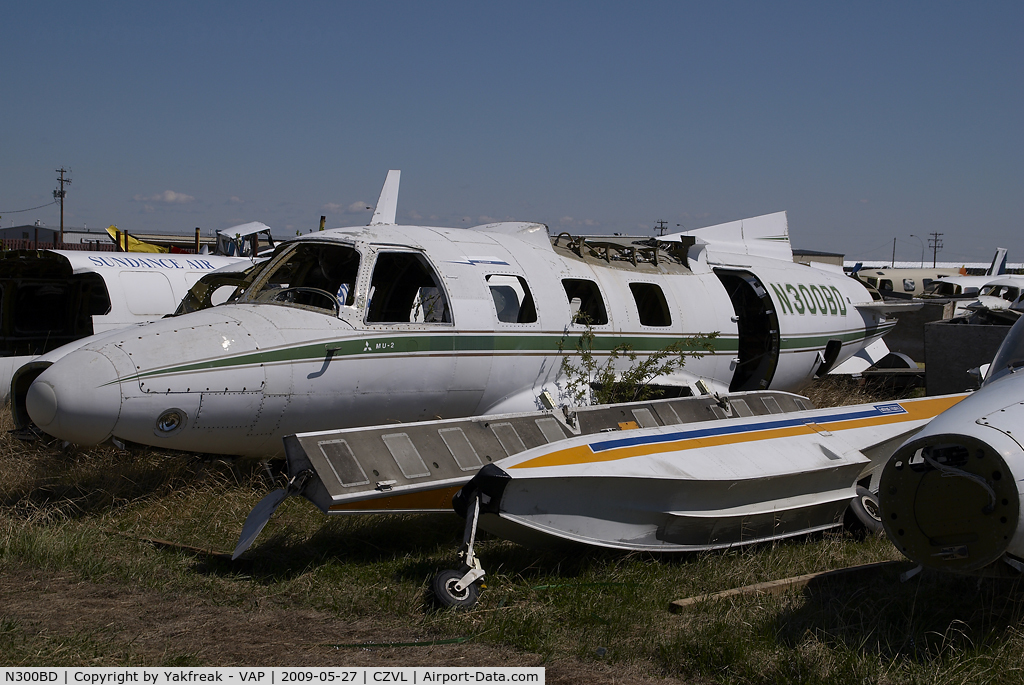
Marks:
<point>387,203</point>
<point>998,267</point>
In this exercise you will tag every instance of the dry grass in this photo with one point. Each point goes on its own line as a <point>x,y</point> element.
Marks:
<point>72,525</point>
<point>840,391</point>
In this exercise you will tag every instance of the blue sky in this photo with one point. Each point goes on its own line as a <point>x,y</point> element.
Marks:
<point>866,121</point>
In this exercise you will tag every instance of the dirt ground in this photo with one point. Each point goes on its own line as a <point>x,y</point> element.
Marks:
<point>154,626</point>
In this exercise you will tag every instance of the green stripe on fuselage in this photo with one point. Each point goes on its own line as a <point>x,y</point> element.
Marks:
<point>408,344</point>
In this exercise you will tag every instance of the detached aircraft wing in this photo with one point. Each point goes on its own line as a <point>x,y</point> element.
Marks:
<point>418,467</point>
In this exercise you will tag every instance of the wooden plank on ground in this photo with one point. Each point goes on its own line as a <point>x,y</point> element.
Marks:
<point>774,586</point>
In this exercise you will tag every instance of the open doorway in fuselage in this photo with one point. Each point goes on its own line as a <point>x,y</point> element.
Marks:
<point>758,326</point>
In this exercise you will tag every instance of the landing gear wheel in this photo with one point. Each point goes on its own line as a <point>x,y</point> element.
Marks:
<point>446,595</point>
<point>863,516</point>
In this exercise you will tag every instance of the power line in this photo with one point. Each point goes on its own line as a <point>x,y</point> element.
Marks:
<point>18,211</point>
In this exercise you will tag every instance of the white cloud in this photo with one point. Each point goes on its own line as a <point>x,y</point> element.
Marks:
<point>237,200</point>
<point>484,219</point>
<point>414,215</point>
<point>569,221</point>
<point>354,208</point>
<point>168,197</point>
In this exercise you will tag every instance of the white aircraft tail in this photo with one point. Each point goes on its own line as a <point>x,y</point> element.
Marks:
<point>998,267</point>
<point>387,203</point>
<point>762,236</point>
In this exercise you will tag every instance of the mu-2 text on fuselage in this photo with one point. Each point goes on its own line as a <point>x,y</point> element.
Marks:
<point>362,326</point>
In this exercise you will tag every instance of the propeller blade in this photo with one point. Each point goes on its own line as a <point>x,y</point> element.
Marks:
<point>258,518</point>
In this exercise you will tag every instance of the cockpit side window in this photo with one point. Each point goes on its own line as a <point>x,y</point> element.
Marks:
<point>319,276</point>
<point>406,289</point>
<point>585,301</point>
<point>513,302</point>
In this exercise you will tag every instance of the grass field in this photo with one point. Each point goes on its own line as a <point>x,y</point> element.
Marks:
<point>86,582</point>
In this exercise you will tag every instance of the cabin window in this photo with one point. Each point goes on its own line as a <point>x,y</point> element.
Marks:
<point>908,285</point>
<point>318,276</point>
<point>585,302</point>
<point>43,313</point>
<point>651,304</point>
<point>405,289</point>
<point>40,308</point>
<point>885,284</point>
<point>513,302</point>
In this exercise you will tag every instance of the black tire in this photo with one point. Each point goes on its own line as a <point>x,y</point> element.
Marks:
<point>445,594</point>
<point>863,517</point>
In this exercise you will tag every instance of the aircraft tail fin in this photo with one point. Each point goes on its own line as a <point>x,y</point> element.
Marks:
<point>998,267</point>
<point>387,203</point>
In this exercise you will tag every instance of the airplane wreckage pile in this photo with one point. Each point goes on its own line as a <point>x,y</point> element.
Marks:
<point>413,369</point>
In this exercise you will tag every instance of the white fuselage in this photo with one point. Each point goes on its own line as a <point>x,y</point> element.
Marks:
<point>439,323</point>
<point>952,497</point>
<point>51,297</point>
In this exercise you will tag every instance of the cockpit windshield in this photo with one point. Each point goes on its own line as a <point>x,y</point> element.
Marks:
<point>942,289</point>
<point>312,275</point>
<point>1010,357</point>
<point>1006,292</point>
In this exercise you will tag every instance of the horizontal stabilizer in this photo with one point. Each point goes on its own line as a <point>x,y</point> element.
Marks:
<point>886,307</point>
<point>762,236</point>
<point>387,203</point>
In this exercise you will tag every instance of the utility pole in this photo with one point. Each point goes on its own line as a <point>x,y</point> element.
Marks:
<point>59,195</point>
<point>935,242</point>
<point>661,227</point>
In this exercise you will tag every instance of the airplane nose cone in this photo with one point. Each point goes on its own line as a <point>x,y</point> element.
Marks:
<point>78,399</point>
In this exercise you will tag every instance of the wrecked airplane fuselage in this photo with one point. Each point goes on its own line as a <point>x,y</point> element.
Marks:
<point>357,327</point>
